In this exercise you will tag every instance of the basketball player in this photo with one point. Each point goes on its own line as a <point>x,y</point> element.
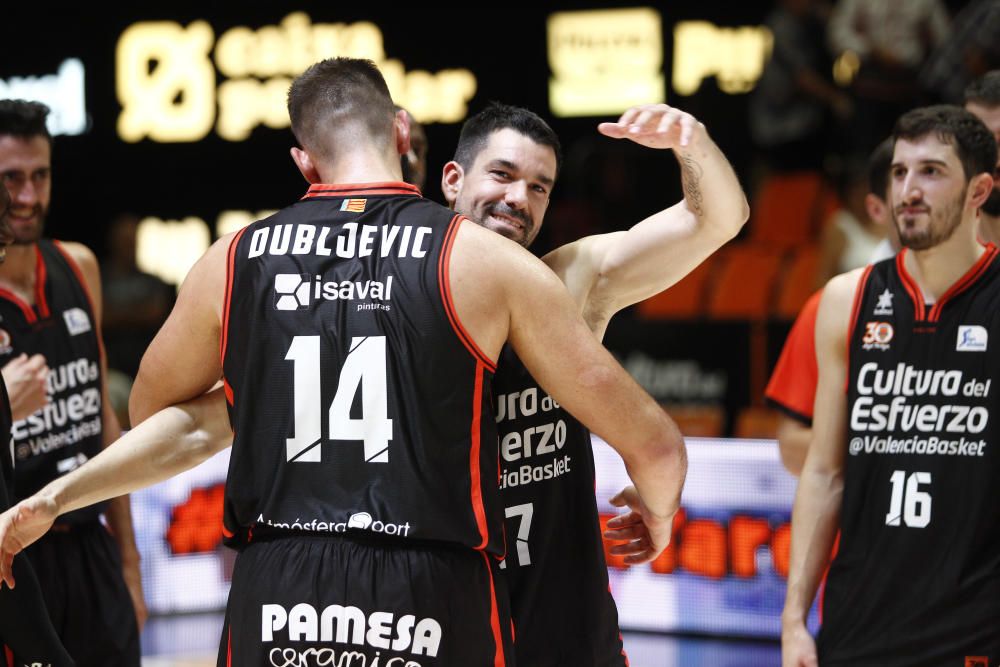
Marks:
<point>982,98</point>
<point>50,305</point>
<point>359,330</point>
<point>504,169</point>
<point>26,631</point>
<point>903,459</point>
<point>792,387</point>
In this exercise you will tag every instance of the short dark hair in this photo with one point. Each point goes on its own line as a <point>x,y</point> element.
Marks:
<point>985,90</point>
<point>336,91</point>
<point>24,119</point>
<point>879,163</point>
<point>477,130</point>
<point>973,142</point>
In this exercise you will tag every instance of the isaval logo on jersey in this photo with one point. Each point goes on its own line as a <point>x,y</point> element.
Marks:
<point>291,291</point>
<point>884,304</point>
<point>294,291</point>
<point>877,336</point>
<point>971,338</point>
<point>77,321</point>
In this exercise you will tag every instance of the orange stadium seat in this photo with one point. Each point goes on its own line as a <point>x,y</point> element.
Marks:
<point>756,422</point>
<point>788,209</point>
<point>698,421</point>
<point>798,282</point>
<point>744,283</point>
<point>686,299</point>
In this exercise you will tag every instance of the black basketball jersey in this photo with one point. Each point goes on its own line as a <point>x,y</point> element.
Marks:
<point>358,401</point>
<point>7,457</point>
<point>60,326</point>
<point>557,575</point>
<point>916,579</point>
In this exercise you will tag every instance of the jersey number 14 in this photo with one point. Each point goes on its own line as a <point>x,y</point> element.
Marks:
<point>364,369</point>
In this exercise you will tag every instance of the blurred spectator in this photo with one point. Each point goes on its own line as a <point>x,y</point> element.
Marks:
<point>982,98</point>
<point>135,303</point>
<point>892,40</point>
<point>791,107</point>
<point>971,50</point>
<point>851,233</point>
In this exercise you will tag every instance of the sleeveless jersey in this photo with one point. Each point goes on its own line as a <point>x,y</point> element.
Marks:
<point>60,326</point>
<point>916,579</point>
<point>557,575</point>
<point>357,400</point>
<point>7,459</point>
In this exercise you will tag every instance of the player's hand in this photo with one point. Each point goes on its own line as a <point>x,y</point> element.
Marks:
<point>26,378</point>
<point>798,649</point>
<point>655,126</point>
<point>133,580</point>
<point>647,534</point>
<point>20,526</point>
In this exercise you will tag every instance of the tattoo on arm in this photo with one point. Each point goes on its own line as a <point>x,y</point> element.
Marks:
<point>691,174</point>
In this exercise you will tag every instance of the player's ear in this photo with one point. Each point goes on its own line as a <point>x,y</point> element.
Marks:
<point>305,164</point>
<point>451,181</point>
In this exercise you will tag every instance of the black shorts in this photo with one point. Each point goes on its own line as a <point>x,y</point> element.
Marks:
<point>26,632</point>
<point>307,601</point>
<point>80,572</point>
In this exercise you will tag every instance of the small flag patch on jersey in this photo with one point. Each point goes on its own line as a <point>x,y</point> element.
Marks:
<point>354,205</point>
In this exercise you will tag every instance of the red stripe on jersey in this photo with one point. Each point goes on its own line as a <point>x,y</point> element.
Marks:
<point>43,306</point>
<point>26,310</point>
<point>474,450</point>
<point>346,189</point>
<point>919,308</point>
<point>227,297</point>
<point>86,291</point>
<point>228,391</point>
<point>974,273</point>
<point>9,655</point>
<point>229,647</point>
<point>444,283</point>
<point>855,311</point>
<point>498,657</point>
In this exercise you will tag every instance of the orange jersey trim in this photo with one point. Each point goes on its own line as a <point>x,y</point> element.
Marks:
<point>474,452</point>
<point>227,297</point>
<point>970,277</point>
<point>498,657</point>
<point>444,282</point>
<point>40,276</point>
<point>349,189</point>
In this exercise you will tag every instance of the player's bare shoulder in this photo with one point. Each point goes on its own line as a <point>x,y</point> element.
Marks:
<point>836,306</point>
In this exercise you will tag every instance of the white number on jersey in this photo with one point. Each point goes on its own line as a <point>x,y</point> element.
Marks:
<point>364,369</point>
<point>911,502</point>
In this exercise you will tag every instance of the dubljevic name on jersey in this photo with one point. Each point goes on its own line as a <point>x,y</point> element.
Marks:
<point>351,241</point>
<point>893,401</point>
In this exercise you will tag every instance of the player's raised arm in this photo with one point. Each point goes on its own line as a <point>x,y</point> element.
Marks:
<point>608,272</point>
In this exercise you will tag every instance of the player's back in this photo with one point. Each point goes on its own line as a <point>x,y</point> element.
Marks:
<point>359,404</point>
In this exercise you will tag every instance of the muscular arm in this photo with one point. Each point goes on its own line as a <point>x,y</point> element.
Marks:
<point>562,354</point>
<point>169,442</point>
<point>608,272</point>
<point>816,512</point>
<point>119,514</point>
<point>183,360</point>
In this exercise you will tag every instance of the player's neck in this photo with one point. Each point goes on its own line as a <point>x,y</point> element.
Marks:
<point>360,167</point>
<point>989,229</point>
<point>17,272</point>
<point>936,269</point>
